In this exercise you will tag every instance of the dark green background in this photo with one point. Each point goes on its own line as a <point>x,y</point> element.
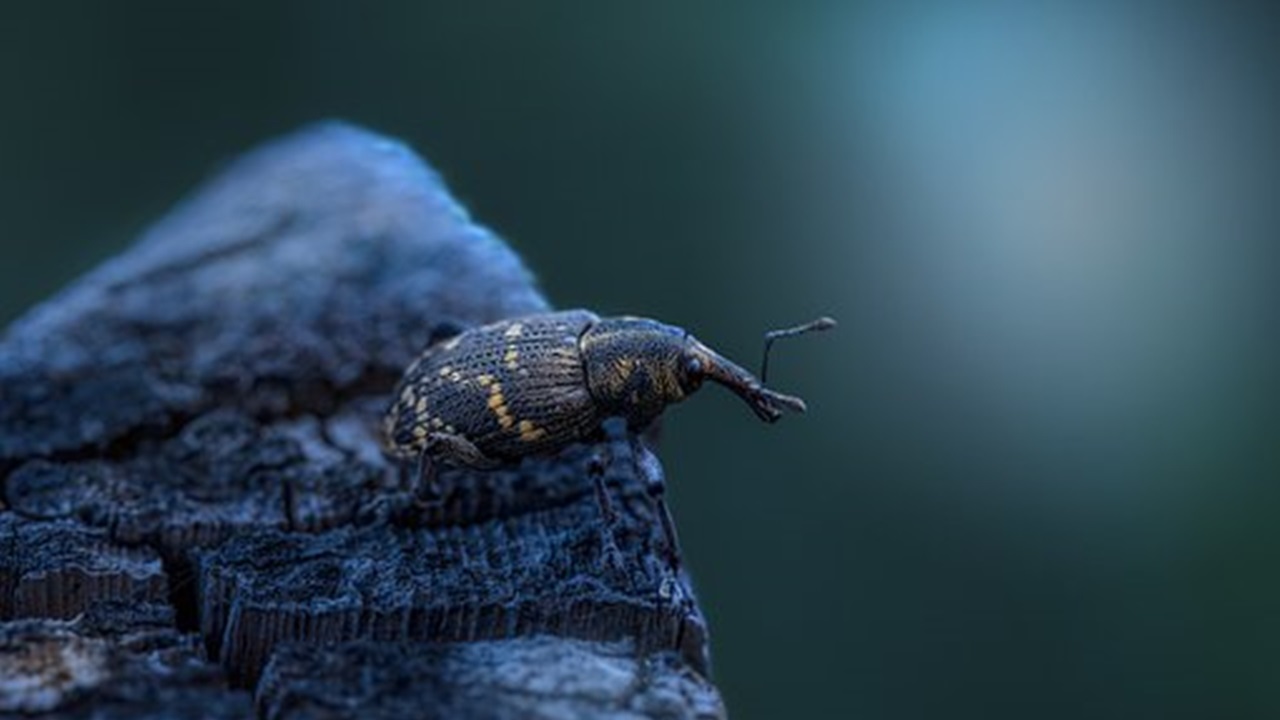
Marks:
<point>1038,477</point>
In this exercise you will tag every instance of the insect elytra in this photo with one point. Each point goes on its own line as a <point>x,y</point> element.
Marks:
<point>536,384</point>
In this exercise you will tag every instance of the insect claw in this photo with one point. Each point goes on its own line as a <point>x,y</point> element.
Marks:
<point>788,402</point>
<point>769,405</point>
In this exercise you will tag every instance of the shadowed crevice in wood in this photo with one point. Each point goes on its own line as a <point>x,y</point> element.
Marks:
<point>194,427</point>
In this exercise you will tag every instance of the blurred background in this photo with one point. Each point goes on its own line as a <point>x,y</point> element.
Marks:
<point>1039,477</point>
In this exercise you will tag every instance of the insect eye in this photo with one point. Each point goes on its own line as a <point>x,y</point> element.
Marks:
<point>693,366</point>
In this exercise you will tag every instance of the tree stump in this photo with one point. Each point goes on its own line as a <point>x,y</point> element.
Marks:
<point>197,519</point>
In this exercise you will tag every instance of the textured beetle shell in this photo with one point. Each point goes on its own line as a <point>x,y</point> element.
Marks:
<point>513,388</point>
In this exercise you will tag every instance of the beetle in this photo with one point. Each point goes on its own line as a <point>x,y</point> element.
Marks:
<point>533,385</point>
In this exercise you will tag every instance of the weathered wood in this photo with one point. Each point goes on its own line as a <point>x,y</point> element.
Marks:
<point>61,569</point>
<point>195,424</point>
<point>537,678</point>
<point>116,661</point>
<point>557,566</point>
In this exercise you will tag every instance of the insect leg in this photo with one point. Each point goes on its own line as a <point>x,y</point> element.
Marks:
<point>656,485</point>
<point>443,447</point>
<point>459,451</point>
<point>426,487</point>
<point>598,467</point>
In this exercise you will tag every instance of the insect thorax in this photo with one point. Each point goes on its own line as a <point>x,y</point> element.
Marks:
<point>632,367</point>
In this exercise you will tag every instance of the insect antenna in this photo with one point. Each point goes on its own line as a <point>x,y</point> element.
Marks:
<point>822,323</point>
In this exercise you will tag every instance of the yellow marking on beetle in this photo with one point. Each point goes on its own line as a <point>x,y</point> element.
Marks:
<point>455,377</point>
<point>622,370</point>
<point>530,432</point>
<point>498,404</point>
<point>496,399</point>
<point>444,371</point>
<point>625,367</point>
<point>437,423</point>
<point>421,406</point>
<point>485,380</point>
<point>419,432</point>
<point>514,331</point>
<point>511,356</point>
<point>669,384</point>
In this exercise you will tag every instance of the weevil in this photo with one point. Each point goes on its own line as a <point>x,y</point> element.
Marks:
<point>533,385</point>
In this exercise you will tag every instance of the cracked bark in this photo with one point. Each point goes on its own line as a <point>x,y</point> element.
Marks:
<point>196,519</point>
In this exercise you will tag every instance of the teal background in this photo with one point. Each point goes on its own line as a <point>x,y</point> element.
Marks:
<point>1039,474</point>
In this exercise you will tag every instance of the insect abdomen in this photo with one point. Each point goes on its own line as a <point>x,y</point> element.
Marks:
<point>512,388</point>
